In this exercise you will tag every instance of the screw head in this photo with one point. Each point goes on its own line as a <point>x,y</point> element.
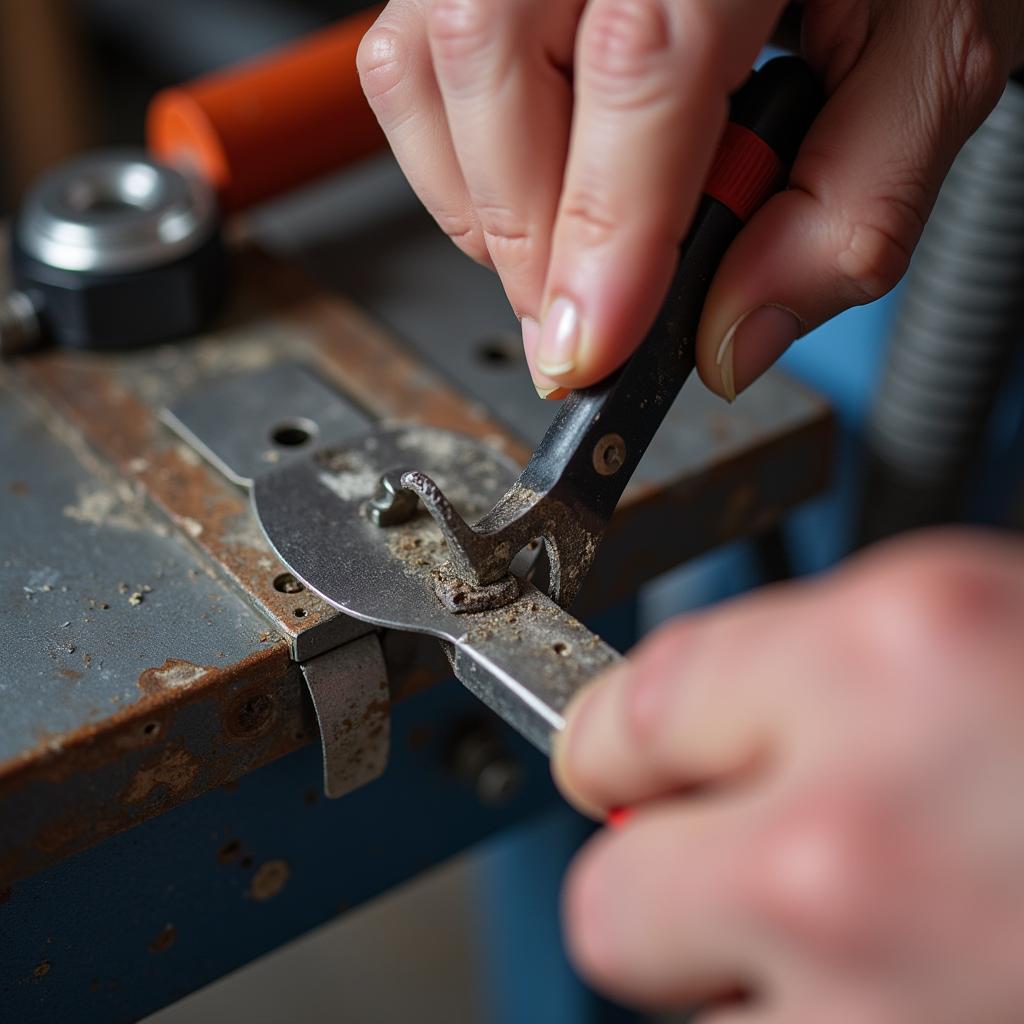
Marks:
<point>609,454</point>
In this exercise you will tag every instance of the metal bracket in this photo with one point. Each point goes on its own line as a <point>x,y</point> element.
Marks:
<point>349,687</point>
<point>278,414</point>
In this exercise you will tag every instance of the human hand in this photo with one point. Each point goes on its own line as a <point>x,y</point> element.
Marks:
<point>565,144</point>
<point>826,785</point>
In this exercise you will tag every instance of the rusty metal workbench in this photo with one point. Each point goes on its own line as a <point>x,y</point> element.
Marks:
<point>149,645</point>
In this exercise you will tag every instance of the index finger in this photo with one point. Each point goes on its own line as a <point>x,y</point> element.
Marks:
<point>653,78</point>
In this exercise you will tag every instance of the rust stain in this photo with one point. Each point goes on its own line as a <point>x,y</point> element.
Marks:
<point>230,851</point>
<point>102,410</point>
<point>19,488</point>
<point>269,880</point>
<point>175,768</point>
<point>98,751</point>
<point>58,756</point>
<point>164,940</point>
<point>251,713</point>
<point>41,970</point>
<point>69,673</point>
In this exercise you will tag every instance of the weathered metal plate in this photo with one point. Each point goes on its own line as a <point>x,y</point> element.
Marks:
<point>132,678</point>
<point>525,660</point>
<point>250,423</point>
<point>349,687</point>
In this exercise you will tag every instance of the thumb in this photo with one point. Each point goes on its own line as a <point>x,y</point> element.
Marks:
<point>861,190</point>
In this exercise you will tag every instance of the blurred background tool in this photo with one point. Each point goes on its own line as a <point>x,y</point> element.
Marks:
<point>120,248</point>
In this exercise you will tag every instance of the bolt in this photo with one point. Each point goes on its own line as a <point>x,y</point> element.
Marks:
<point>609,454</point>
<point>19,324</point>
<point>394,504</point>
<point>479,757</point>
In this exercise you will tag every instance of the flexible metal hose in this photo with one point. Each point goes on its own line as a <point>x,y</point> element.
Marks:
<point>961,317</point>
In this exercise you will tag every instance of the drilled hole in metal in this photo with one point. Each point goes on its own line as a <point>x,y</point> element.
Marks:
<point>299,613</point>
<point>561,648</point>
<point>293,433</point>
<point>286,583</point>
<point>500,350</point>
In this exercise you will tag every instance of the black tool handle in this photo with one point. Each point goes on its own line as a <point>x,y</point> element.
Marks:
<point>769,117</point>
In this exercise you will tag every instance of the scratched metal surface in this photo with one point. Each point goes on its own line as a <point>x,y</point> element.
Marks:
<point>97,593</point>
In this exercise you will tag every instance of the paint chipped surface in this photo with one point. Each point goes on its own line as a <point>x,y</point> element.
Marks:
<point>175,769</point>
<point>118,506</point>
<point>269,880</point>
<point>173,674</point>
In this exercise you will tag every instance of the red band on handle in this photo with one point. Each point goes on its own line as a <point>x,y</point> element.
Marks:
<point>745,173</point>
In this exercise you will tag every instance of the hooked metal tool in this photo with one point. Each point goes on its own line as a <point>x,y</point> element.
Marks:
<point>346,524</point>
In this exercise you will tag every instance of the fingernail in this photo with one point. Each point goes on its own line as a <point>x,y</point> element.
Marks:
<point>560,338</point>
<point>546,388</point>
<point>753,344</point>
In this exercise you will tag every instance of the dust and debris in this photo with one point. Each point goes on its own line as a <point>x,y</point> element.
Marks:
<point>191,526</point>
<point>436,447</point>
<point>117,506</point>
<point>417,544</point>
<point>136,598</point>
<point>188,455</point>
<point>461,597</point>
<point>42,581</point>
<point>348,474</point>
<point>269,880</point>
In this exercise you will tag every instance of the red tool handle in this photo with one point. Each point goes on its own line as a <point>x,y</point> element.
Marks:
<point>274,123</point>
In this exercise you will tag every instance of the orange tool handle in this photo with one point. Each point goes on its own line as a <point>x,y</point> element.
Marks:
<point>274,123</point>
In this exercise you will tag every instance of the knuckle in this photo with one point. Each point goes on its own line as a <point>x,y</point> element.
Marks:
<point>933,604</point>
<point>460,28</point>
<point>816,873</point>
<point>975,70</point>
<point>590,217</point>
<point>876,254</point>
<point>503,227</point>
<point>465,233</point>
<point>623,39</point>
